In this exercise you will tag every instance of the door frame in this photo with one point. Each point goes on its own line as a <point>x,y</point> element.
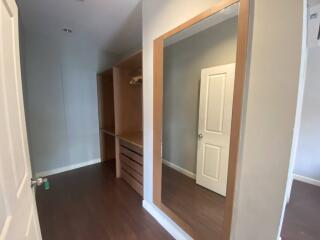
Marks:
<point>241,61</point>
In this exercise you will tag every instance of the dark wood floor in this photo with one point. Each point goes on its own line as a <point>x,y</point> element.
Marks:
<point>302,215</point>
<point>202,209</point>
<point>90,203</point>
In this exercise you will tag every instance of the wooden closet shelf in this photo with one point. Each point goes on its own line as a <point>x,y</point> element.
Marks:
<point>135,138</point>
<point>109,131</point>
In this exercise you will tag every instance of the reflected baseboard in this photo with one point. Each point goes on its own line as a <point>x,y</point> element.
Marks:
<point>179,169</point>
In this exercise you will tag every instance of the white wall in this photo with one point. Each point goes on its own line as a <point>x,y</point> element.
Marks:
<point>307,161</point>
<point>273,80</point>
<point>270,104</point>
<point>59,76</point>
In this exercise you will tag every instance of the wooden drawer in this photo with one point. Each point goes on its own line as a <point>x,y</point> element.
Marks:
<point>131,155</point>
<point>131,161</point>
<point>132,182</point>
<point>132,147</point>
<point>131,171</point>
<point>132,164</point>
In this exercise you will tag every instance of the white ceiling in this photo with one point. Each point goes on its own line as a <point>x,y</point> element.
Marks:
<point>114,25</point>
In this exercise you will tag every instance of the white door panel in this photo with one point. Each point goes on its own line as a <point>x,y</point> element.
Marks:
<point>215,103</point>
<point>215,110</point>
<point>18,215</point>
<point>211,161</point>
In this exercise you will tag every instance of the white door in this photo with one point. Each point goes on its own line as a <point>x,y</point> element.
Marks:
<point>215,111</point>
<point>18,214</point>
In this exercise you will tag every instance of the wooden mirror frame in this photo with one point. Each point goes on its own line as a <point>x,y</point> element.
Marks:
<point>241,56</point>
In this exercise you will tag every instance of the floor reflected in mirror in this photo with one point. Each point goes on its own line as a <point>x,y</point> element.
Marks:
<point>200,208</point>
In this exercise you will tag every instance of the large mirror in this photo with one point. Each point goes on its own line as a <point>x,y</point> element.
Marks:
<point>198,81</point>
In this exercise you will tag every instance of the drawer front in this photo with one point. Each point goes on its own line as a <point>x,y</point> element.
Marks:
<point>132,164</point>
<point>132,147</point>
<point>132,155</point>
<point>132,173</point>
<point>131,161</point>
<point>132,182</point>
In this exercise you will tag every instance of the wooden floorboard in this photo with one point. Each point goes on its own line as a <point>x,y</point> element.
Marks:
<point>302,215</point>
<point>200,208</point>
<point>90,203</point>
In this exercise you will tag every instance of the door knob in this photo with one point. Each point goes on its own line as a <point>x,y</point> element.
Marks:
<point>39,182</point>
<point>200,135</point>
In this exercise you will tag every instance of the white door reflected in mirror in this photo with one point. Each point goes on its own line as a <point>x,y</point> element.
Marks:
<point>215,112</point>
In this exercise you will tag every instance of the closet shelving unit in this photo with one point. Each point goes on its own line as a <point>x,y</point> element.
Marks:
<point>106,115</point>
<point>126,93</point>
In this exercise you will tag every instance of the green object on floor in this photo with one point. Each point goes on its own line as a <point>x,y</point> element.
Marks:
<point>46,185</point>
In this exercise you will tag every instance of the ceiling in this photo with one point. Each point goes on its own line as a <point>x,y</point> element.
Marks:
<point>114,25</point>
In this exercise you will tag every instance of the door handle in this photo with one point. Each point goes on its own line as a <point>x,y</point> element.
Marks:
<point>200,135</point>
<point>37,182</point>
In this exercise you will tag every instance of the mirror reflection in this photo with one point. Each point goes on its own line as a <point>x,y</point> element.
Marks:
<point>199,72</point>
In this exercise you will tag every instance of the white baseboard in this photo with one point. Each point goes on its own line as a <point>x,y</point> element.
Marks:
<point>67,168</point>
<point>179,169</point>
<point>166,222</point>
<point>306,180</point>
